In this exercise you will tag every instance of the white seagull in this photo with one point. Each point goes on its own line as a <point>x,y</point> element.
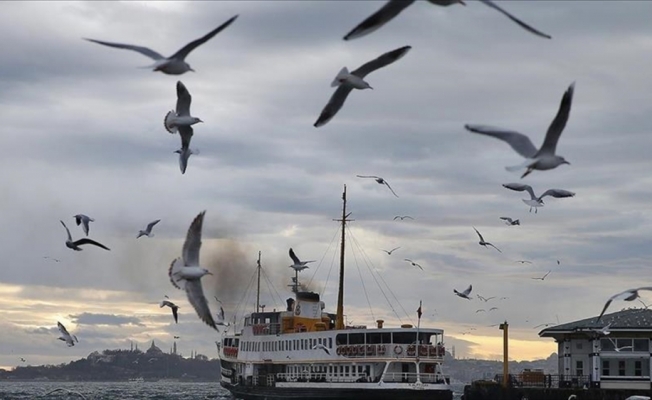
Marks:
<point>65,336</point>
<point>185,272</point>
<point>220,318</point>
<point>173,307</point>
<point>392,250</point>
<point>298,264</point>
<point>631,295</point>
<point>483,243</point>
<point>543,277</point>
<point>348,81</point>
<point>83,220</point>
<point>394,7</point>
<point>465,294</point>
<point>148,231</point>
<point>181,117</point>
<point>175,64</point>
<point>75,245</point>
<point>380,181</point>
<point>544,158</point>
<point>510,222</point>
<point>413,263</point>
<point>536,202</point>
<point>321,347</point>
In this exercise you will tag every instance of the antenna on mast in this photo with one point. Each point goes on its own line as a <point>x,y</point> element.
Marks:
<point>258,290</point>
<point>339,322</point>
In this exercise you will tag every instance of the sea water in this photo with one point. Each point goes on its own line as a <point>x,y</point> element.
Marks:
<point>124,390</point>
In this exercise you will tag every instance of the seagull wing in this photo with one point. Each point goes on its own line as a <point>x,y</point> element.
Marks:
<point>606,305</point>
<point>294,257</point>
<point>90,241</point>
<point>198,300</point>
<point>370,176</point>
<point>468,290</point>
<point>519,187</point>
<point>67,230</point>
<point>476,231</point>
<point>185,50</point>
<point>382,61</point>
<point>489,244</point>
<point>559,123</point>
<point>558,193</point>
<point>395,248</point>
<point>334,104</point>
<point>151,225</point>
<point>192,245</point>
<point>519,142</point>
<point>513,18</point>
<point>183,100</point>
<point>63,330</point>
<point>175,314</point>
<point>142,50</point>
<point>386,13</point>
<point>186,132</point>
<point>222,313</point>
<point>506,219</point>
<point>390,188</point>
<point>85,223</point>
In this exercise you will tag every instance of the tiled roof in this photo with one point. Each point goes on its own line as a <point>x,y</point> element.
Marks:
<point>630,319</point>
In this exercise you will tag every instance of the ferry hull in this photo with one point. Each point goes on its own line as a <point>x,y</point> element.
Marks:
<point>277,393</point>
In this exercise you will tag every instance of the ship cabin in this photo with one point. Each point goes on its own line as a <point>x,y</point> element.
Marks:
<point>301,344</point>
<point>614,353</point>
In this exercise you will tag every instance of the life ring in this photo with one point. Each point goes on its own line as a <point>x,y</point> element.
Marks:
<point>381,349</point>
<point>398,350</point>
<point>370,349</point>
<point>441,351</point>
<point>339,350</point>
<point>361,349</point>
<point>353,350</point>
<point>411,350</point>
<point>432,351</point>
<point>423,351</point>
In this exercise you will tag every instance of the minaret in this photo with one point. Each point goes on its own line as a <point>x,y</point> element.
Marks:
<point>174,348</point>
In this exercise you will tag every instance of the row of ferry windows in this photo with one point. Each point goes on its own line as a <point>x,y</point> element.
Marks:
<point>287,345</point>
<point>335,370</point>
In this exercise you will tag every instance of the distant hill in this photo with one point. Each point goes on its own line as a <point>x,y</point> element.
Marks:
<point>121,365</point>
<point>470,370</point>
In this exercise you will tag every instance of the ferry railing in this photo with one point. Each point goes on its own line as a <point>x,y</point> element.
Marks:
<point>392,351</point>
<point>322,377</point>
<point>542,380</point>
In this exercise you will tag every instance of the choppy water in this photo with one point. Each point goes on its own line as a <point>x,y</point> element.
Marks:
<point>113,390</point>
<point>124,390</point>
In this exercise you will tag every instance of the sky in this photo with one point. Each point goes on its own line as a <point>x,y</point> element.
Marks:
<point>83,133</point>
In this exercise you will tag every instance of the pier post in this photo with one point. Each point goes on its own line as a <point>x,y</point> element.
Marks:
<point>504,327</point>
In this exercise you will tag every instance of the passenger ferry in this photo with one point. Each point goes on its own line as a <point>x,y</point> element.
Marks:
<point>304,352</point>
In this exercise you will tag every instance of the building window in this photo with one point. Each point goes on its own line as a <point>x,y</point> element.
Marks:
<point>638,368</point>
<point>605,367</point>
<point>641,345</point>
<point>621,368</point>
<point>606,345</point>
<point>579,367</point>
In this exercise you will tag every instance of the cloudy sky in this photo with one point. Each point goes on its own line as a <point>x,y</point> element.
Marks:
<point>82,133</point>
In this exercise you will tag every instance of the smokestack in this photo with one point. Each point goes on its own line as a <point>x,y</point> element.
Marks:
<point>290,302</point>
<point>380,323</point>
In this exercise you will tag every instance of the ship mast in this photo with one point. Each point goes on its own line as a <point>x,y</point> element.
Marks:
<point>339,322</point>
<point>258,290</point>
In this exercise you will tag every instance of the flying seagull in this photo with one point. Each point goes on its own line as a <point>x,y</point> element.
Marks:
<point>348,81</point>
<point>173,307</point>
<point>465,294</point>
<point>84,221</point>
<point>65,336</point>
<point>402,217</point>
<point>75,245</point>
<point>631,295</point>
<point>483,243</point>
<point>535,201</point>
<point>485,299</point>
<point>185,272</point>
<point>392,250</point>
<point>220,318</point>
<point>543,158</point>
<point>175,64</point>
<point>298,264</point>
<point>181,117</point>
<point>480,310</point>
<point>619,349</point>
<point>493,308</point>
<point>379,180</point>
<point>394,7</point>
<point>543,277</point>
<point>523,261</point>
<point>321,347</point>
<point>50,258</point>
<point>510,222</point>
<point>177,337</point>
<point>22,359</point>
<point>148,231</point>
<point>413,263</point>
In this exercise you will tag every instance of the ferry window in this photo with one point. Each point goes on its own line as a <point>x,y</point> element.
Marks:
<point>356,338</point>
<point>346,370</point>
<point>606,345</point>
<point>330,343</point>
<point>405,337</point>
<point>424,338</point>
<point>303,344</point>
<point>641,345</point>
<point>621,367</point>
<point>319,340</point>
<point>579,367</point>
<point>638,367</point>
<point>624,343</point>
<point>341,338</point>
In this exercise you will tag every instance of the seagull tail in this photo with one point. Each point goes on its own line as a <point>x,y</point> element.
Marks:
<point>519,167</point>
<point>343,74</point>
<point>175,274</point>
<point>168,120</point>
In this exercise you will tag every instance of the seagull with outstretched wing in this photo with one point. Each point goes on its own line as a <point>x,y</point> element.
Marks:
<point>298,264</point>
<point>148,231</point>
<point>482,242</point>
<point>75,245</point>
<point>380,181</point>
